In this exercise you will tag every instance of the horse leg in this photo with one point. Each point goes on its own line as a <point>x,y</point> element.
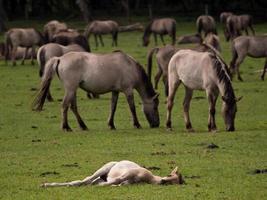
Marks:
<point>186,105</point>
<point>162,39</point>
<point>212,97</point>
<point>264,70</point>
<point>49,96</point>
<point>101,40</point>
<point>96,42</point>
<point>24,56</point>
<point>68,98</point>
<point>252,30</point>
<point>237,64</point>
<point>155,38</point>
<point>130,100</point>
<point>157,77</point>
<point>14,51</point>
<point>166,85</point>
<point>172,90</point>
<point>114,100</point>
<point>74,109</point>
<point>32,55</point>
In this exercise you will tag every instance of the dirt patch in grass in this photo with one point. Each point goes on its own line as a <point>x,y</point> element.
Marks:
<point>259,171</point>
<point>49,173</point>
<point>71,165</point>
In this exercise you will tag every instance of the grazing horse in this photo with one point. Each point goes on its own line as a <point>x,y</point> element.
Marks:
<point>213,40</point>
<point>27,38</point>
<point>51,50</point>
<point>201,71</point>
<point>71,37</point>
<point>235,24</point>
<point>252,46</point>
<point>53,27</point>
<point>98,28</point>
<point>164,54</point>
<point>224,16</point>
<point>100,73</point>
<point>123,173</point>
<point>206,24</point>
<point>162,27</point>
<point>187,39</point>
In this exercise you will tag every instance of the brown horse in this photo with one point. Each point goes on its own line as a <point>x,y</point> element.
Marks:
<point>23,37</point>
<point>235,24</point>
<point>188,39</point>
<point>99,28</point>
<point>71,37</point>
<point>53,27</point>
<point>162,27</point>
<point>206,24</point>
<point>100,73</point>
<point>19,53</point>
<point>252,46</point>
<point>224,16</point>
<point>201,71</point>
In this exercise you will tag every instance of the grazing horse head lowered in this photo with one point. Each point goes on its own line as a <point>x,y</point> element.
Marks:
<point>100,73</point>
<point>123,173</point>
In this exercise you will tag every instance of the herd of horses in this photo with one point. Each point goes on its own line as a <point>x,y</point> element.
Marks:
<point>66,53</point>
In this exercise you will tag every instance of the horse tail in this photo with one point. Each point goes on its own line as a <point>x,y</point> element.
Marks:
<point>8,45</point>
<point>149,61</point>
<point>41,60</point>
<point>50,68</point>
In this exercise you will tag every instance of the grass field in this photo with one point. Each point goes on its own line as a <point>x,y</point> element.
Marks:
<point>34,149</point>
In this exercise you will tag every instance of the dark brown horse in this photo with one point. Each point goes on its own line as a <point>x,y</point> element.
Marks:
<point>252,46</point>
<point>99,28</point>
<point>161,27</point>
<point>224,16</point>
<point>206,24</point>
<point>100,73</point>
<point>22,37</point>
<point>71,37</point>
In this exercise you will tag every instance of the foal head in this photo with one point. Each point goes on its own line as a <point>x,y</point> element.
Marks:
<point>173,178</point>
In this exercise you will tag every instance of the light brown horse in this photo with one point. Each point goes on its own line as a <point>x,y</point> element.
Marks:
<point>100,73</point>
<point>160,27</point>
<point>123,172</point>
<point>164,54</point>
<point>235,24</point>
<point>213,40</point>
<point>53,27</point>
<point>71,36</point>
<point>188,39</point>
<point>22,37</point>
<point>201,71</point>
<point>206,24</point>
<point>252,46</point>
<point>99,28</point>
<point>50,50</point>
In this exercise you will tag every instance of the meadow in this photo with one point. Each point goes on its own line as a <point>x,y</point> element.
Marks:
<point>34,150</point>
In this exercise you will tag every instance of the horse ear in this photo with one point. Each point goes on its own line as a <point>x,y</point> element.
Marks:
<point>175,170</point>
<point>238,99</point>
<point>155,96</point>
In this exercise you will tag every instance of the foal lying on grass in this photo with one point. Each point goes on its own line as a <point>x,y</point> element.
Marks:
<point>123,173</point>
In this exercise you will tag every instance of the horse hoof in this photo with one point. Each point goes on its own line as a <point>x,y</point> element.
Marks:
<point>112,128</point>
<point>137,126</point>
<point>67,129</point>
<point>190,130</point>
<point>84,128</point>
<point>240,79</point>
<point>169,129</point>
<point>213,130</point>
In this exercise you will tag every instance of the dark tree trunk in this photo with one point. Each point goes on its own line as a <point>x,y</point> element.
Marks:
<point>126,8</point>
<point>84,6</point>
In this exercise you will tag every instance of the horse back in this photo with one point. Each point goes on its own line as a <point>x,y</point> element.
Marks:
<point>163,26</point>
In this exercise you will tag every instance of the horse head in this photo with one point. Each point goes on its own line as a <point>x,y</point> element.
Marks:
<point>173,178</point>
<point>150,108</point>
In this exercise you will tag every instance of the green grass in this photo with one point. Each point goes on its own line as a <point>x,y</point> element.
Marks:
<point>32,143</point>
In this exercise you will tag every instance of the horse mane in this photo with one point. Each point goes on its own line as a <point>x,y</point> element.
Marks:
<point>223,77</point>
<point>147,30</point>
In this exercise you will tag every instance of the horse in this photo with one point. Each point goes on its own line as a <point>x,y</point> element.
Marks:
<point>71,37</point>
<point>51,50</point>
<point>23,37</point>
<point>100,73</point>
<point>164,54</point>
<point>224,16</point>
<point>235,24</point>
<point>201,71</point>
<point>252,46</point>
<point>187,39</point>
<point>206,24</point>
<point>98,28</point>
<point>162,27</point>
<point>123,172</point>
<point>53,27</point>
<point>213,40</point>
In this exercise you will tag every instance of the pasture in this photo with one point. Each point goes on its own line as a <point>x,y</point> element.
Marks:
<point>34,149</point>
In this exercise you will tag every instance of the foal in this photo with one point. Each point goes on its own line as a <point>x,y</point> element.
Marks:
<point>123,173</point>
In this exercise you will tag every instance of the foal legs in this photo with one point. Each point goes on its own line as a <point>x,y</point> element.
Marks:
<point>264,70</point>
<point>186,104</point>
<point>212,97</point>
<point>130,100</point>
<point>114,100</point>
